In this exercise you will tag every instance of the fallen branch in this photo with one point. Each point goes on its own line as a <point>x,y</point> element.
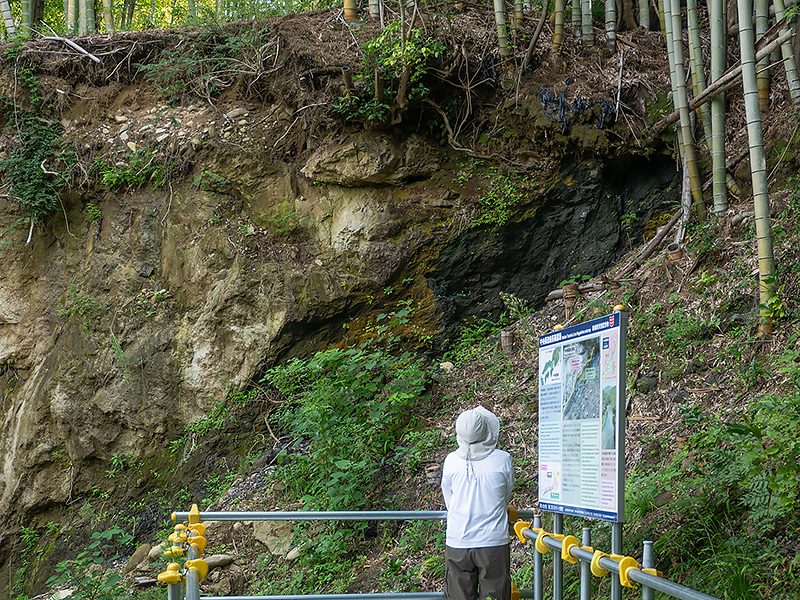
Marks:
<point>595,286</point>
<point>529,53</point>
<point>71,44</point>
<point>651,247</point>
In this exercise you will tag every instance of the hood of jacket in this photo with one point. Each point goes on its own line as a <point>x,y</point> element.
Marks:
<point>477,431</point>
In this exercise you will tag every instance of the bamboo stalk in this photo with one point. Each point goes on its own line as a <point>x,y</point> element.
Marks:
<point>26,14</point>
<point>696,60</point>
<point>82,20</point>
<point>8,18</point>
<point>576,12</point>
<point>762,78</point>
<point>644,14</point>
<point>787,54</point>
<point>91,20</point>
<point>108,17</point>
<point>727,81</point>
<point>350,10</point>
<point>502,32</point>
<point>717,146</point>
<point>587,34</point>
<point>758,165</point>
<point>682,104</point>
<point>70,17</point>
<point>611,25</point>
<point>558,25</point>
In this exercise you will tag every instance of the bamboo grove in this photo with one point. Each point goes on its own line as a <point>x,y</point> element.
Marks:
<point>765,40</point>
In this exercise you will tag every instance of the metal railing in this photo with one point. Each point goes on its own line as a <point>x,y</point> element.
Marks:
<point>188,540</point>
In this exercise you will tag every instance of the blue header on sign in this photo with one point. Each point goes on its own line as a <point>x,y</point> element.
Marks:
<point>603,323</point>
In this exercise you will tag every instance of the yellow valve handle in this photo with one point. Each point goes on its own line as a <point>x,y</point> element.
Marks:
<point>626,564</point>
<point>566,544</point>
<point>194,514</point>
<point>200,542</point>
<point>515,593</point>
<point>171,575</point>
<point>519,527</point>
<point>198,565</point>
<point>197,529</point>
<point>597,570</point>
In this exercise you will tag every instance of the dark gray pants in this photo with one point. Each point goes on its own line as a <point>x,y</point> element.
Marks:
<point>477,573</point>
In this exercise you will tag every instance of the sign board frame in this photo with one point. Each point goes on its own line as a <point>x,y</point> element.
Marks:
<point>582,383</point>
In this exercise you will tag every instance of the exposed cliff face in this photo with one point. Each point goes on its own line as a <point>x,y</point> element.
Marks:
<point>137,305</point>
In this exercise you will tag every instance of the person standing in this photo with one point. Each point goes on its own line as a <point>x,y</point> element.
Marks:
<point>477,480</point>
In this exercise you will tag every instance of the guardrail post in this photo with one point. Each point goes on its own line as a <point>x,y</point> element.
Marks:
<point>616,548</point>
<point>174,591</point>
<point>538,571</point>
<point>648,562</point>
<point>192,576</point>
<point>586,569</point>
<point>558,564</point>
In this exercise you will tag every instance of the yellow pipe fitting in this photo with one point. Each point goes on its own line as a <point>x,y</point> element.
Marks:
<point>626,564</point>
<point>171,575</point>
<point>200,542</point>
<point>177,538</point>
<point>513,514</point>
<point>198,529</point>
<point>653,572</point>
<point>515,593</point>
<point>541,548</point>
<point>519,527</point>
<point>566,544</point>
<point>597,570</point>
<point>194,515</point>
<point>174,552</point>
<point>198,565</point>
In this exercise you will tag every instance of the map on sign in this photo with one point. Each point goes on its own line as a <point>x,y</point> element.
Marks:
<point>581,443</point>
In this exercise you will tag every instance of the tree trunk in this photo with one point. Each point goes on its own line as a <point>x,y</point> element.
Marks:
<point>130,5</point>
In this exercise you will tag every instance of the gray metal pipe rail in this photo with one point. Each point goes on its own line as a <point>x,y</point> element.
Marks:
<point>346,515</point>
<point>637,575</point>
<point>387,596</point>
<point>624,569</point>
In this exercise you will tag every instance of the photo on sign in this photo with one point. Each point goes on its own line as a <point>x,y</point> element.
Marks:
<point>609,435</point>
<point>582,380</point>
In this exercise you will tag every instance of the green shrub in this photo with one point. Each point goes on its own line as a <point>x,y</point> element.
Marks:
<point>351,405</point>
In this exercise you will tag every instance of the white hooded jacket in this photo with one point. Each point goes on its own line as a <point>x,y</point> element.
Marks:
<point>477,480</point>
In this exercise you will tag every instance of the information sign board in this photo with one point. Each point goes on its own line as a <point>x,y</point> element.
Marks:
<point>582,419</point>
